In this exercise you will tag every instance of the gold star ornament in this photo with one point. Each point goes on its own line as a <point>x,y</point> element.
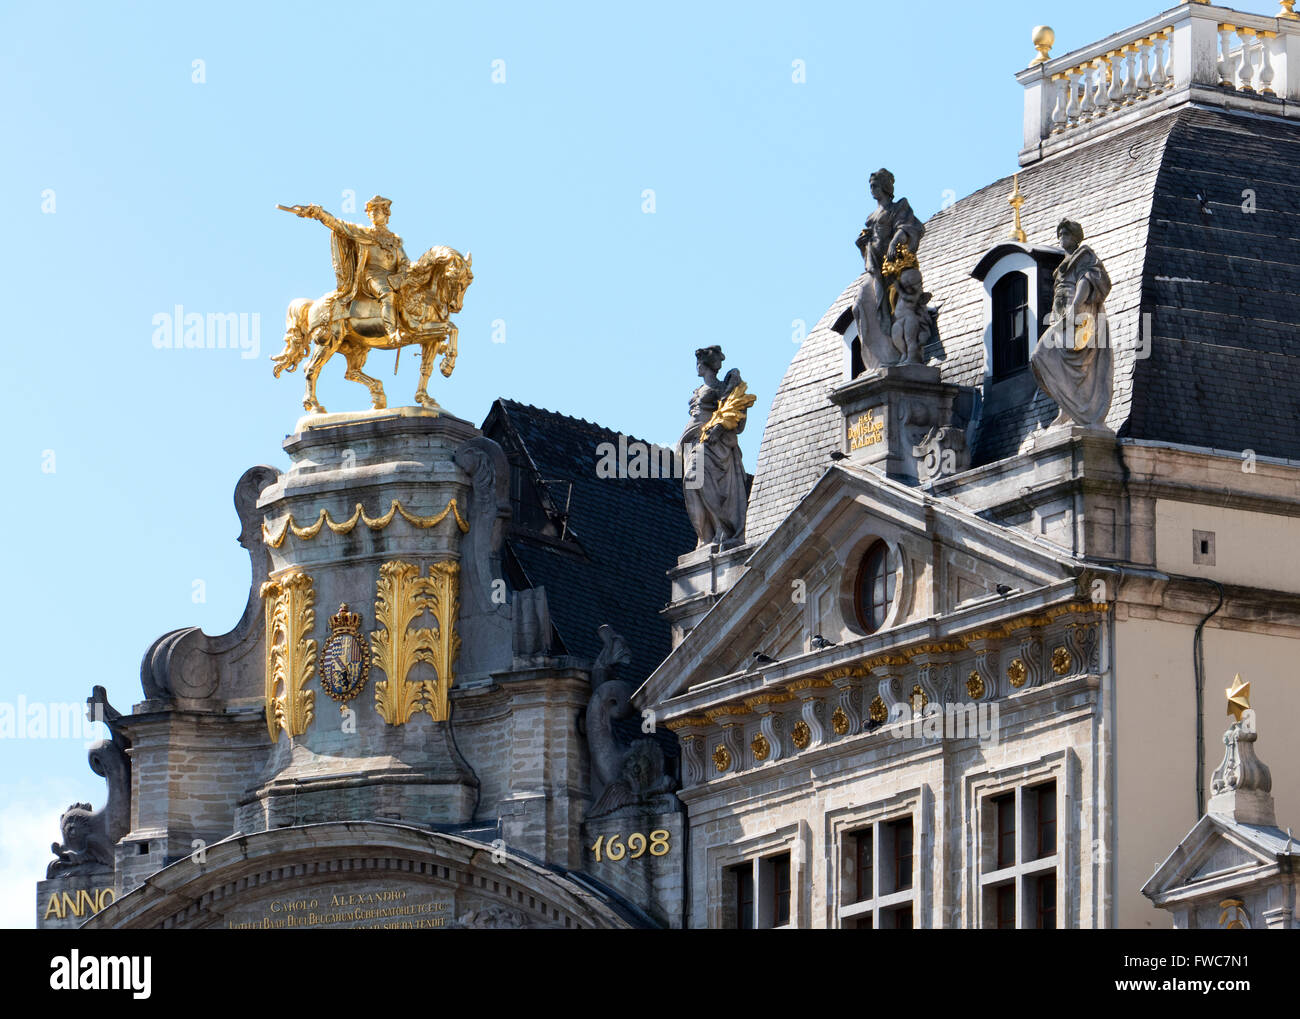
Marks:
<point>1238,697</point>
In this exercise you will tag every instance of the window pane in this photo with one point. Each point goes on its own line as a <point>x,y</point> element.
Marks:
<point>865,866</point>
<point>902,855</point>
<point>875,587</point>
<point>1006,907</point>
<point>743,878</point>
<point>781,890</point>
<point>1046,805</point>
<point>1006,831</point>
<point>1046,887</point>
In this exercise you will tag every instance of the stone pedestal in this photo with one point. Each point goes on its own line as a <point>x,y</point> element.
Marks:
<point>374,513</point>
<point>699,579</point>
<point>904,421</point>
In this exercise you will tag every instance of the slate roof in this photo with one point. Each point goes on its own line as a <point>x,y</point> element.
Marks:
<point>1224,292</point>
<point>624,534</point>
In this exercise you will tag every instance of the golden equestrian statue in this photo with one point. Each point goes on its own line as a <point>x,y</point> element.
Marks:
<point>382,302</point>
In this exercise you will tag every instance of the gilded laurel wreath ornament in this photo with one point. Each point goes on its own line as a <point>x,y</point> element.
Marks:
<point>919,698</point>
<point>975,685</point>
<point>801,735</point>
<point>878,713</point>
<point>761,747</point>
<point>1062,662</point>
<point>345,659</point>
<point>840,721</point>
<point>1017,673</point>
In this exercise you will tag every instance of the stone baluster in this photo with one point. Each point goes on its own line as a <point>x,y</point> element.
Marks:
<point>1116,94</point>
<point>1086,105</point>
<point>1266,72</point>
<point>1227,68</point>
<point>1130,75</point>
<point>1099,100</point>
<point>1058,114</point>
<point>1072,107</point>
<point>1159,71</point>
<point>1144,72</point>
<point>1247,37</point>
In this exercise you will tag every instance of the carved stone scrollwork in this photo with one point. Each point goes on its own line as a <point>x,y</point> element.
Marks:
<point>1083,641</point>
<point>847,716</point>
<point>811,716</point>
<point>728,755</point>
<point>770,728</point>
<point>693,759</point>
<point>290,654</point>
<point>1031,653</point>
<point>1241,770</point>
<point>88,835</point>
<point>987,672</point>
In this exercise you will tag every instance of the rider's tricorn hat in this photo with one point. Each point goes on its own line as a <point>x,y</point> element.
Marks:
<point>379,202</point>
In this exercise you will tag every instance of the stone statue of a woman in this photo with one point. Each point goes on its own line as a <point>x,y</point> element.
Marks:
<point>1072,361</point>
<point>713,475</point>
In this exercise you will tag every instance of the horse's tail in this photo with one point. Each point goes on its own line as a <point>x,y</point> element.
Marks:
<point>295,336</point>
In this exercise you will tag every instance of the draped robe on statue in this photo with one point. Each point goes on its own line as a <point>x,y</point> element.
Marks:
<point>1075,368</point>
<point>873,311</point>
<point>713,472</point>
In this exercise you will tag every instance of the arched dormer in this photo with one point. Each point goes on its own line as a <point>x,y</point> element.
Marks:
<point>1017,282</point>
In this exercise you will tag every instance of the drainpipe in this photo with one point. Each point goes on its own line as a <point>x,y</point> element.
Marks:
<point>1198,666</point>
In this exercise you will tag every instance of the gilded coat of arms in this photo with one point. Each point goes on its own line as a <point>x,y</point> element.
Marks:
<point>345,661</point>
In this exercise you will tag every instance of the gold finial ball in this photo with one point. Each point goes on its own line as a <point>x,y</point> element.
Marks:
<point>1044,39</point>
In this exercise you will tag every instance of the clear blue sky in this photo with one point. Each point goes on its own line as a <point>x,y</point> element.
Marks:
<point>164,192</point>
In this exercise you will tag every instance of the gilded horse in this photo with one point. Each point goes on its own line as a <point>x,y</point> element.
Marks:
<point>433,291</point>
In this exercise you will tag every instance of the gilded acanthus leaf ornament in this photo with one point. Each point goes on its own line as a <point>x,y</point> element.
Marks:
<point>402,596</point>
<point>290,655</point>
<point>400,601</point>
<point>442,590</point>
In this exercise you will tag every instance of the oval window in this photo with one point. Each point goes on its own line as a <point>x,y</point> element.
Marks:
<point>875,587</point>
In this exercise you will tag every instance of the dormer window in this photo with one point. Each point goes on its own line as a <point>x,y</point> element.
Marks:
<point>1017,282</point>
<point>1011,318</point>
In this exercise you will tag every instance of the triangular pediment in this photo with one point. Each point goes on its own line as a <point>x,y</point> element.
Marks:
<point>803,579</point>
<point>1217,852</point>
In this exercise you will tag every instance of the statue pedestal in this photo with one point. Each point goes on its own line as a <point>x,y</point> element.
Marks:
<point>374,512</point>
<point>698,580</point>
<point>904,421</point>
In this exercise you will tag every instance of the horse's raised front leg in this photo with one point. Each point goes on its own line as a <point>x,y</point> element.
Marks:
<point>356,356</point>
<point>428,350</point>
<point>449,358</point>
<point>322,354</point>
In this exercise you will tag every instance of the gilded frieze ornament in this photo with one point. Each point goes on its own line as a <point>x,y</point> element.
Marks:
<point>840,721</point>
<point>801,735</point>
<point>760,747</point>
<point>399,601</point>
<point>1017,672</point>
<point>442,591</point>
<point>401,597</point>
<point>878,713</point>
<point>345,659</point>
<point>290,654</point>
<point>1062,661</point>
<point>323,519</point>
<point>919,699</point>
<point>975,685</point>
<point>721,757</point>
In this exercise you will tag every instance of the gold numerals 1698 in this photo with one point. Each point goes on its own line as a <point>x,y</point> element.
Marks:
<point>636,845</point>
